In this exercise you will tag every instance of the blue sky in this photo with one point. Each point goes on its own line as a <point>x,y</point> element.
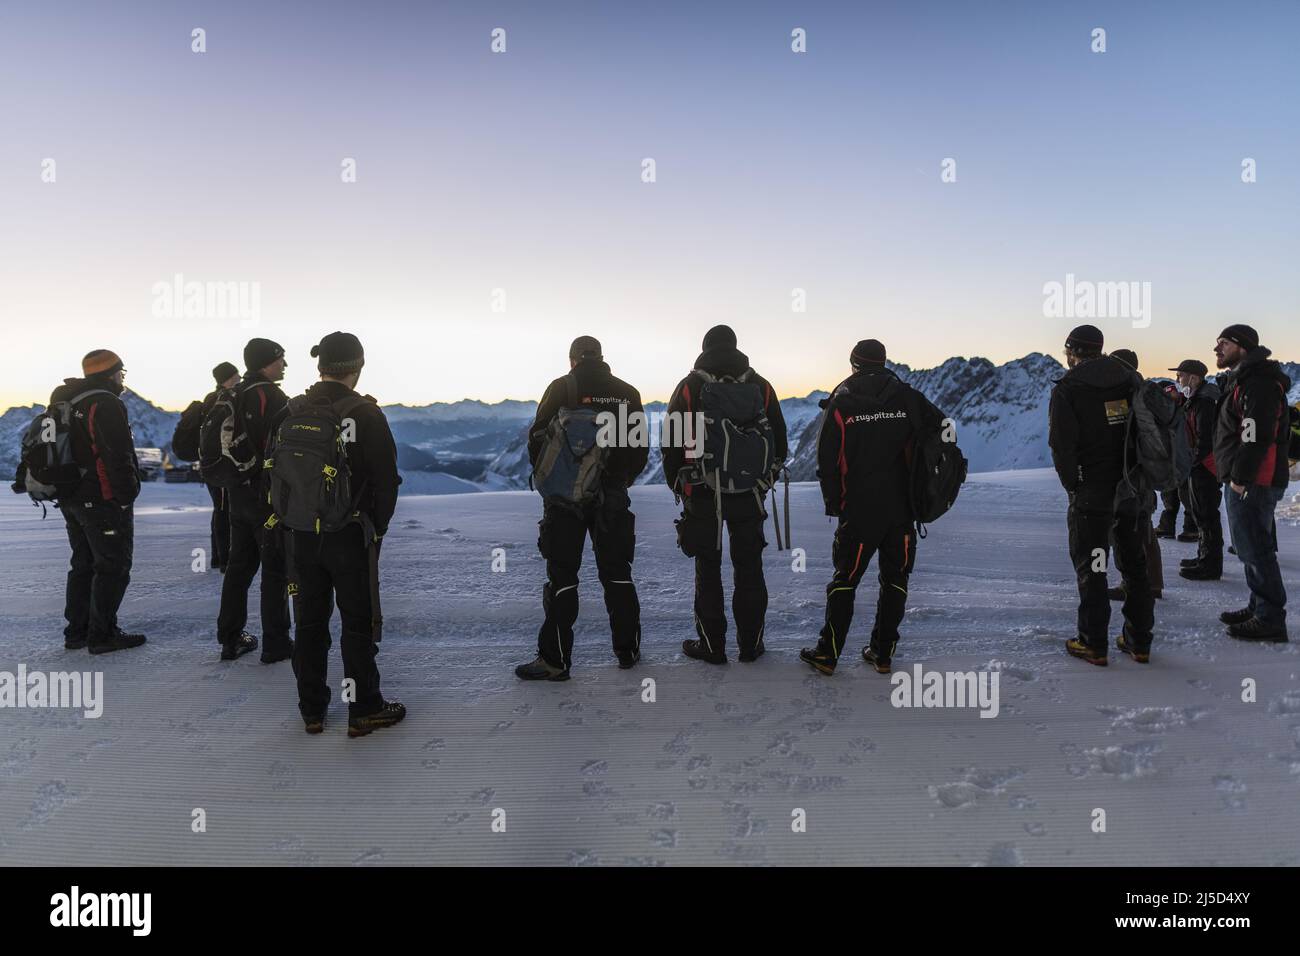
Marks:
<point>521,171</point>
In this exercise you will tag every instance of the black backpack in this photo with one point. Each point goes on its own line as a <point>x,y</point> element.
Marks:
<point>938,470</point>
<point>310,479</point>
<point>227,456</point>
<point>738,441</point>
<point>47,469</point>
<point>185,440</point>
<point>1151,440</point>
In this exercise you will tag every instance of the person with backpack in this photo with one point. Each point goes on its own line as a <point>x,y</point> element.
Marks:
<point>584,485</point>
<point>80,453</point>
<point>1205,493</point>
<point>1179,498</point>
<point>233,445</point>
<point>1092,441</point>
<point>333,480</point>
<point>1251,436</point>
<point>742,414</point>
<point>1125,503</point>
<point>865,450</point>
<point>185,446</point>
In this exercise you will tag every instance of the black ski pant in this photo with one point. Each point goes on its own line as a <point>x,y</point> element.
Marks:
<point>562,535</point>
<point>1171,501</point>
<point>220,529</point>
<point>697,535</point>
<point>328,569</point>
<point>253,545</point>
<point>1093,523</point>
<point>1206,496</point>
<point>102,536</point>
<point>851,552</point>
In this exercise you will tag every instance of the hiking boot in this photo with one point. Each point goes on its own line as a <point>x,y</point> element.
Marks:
<point>1126,646</point>
<point>876,659</point>
<point>391,713</point>
<point>1237,617</point>
<point>700,652</point>
<point>1078,647</point>
<point>314,724</point>
<point>1163,532</point>
<point>280,653</point>
<point>750,654</point>
<point>120,641</point>
<point>74,643</point>
<point>1256,630</point>
<point>539,669</point>
<point>1200,572</point>
<point>240,646</point>
<point>1189,562</point>
<point>627,659</point>
<point>818,659</point>
<point>1187,536</point>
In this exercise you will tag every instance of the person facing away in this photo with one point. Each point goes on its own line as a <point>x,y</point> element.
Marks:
<point>1251,434</point>
<point>1175,498</point>
<point>863,464</point>
<point>100,512</point>
<point>1204,493</point>
<point>252,545</point>
<point>1088,434</point>
<point>743,514</point>
<point>1126,500</point>
<point>341,567</point>
<point>185,444</point>
<point>607,518</point>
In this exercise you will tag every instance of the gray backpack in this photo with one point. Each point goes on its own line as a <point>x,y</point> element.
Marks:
<point>1150,438</point>
<point>571,463</point>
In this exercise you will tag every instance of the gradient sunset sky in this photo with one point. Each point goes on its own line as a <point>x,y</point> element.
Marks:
<point>522,171</point>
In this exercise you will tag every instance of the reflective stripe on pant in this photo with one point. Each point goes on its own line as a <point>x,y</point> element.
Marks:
<point>561,539</point>
<point>895,552</point>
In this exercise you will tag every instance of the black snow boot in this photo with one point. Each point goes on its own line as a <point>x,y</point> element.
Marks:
<point>1200,571</point>
<point>391,713</point>
<point>750,654</point>
<point>120,641</point>
<point>699,651</point>
<point>240,646</point>
<point>275,655</point>
<point>1256,630</point>
<point>819,659</point>
<point>627,659</point>
<point>540,669</point>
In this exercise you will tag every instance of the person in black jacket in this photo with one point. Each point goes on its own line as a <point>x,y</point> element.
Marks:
<point>743,514</point>
<point>1250,455</point>
<point>1179,497</point>
<point>185,445</point>
<point>1130,501</point>
<point>863,464</point>
<point>563,530</point>
<point>342,567</point>
<point>1088,433</point>
<point>100,513</point>
<point>252,544</point>
<point>1203,488</point>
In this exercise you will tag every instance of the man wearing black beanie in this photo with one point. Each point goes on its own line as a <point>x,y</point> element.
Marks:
<point>867,432</point>
<point>1251,435</point>
<point>721,386</point>
<point>257,402</point>
<point>1088,433</point>
<point>337,566</point>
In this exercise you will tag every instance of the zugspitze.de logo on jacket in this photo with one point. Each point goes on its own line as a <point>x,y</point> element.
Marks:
<point>873,417</point>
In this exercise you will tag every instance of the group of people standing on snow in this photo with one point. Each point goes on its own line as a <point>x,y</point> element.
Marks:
<point>1227,438</point>
<point>304,490</point>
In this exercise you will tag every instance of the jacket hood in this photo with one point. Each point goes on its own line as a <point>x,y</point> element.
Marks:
<point>871,387</point>
<point>723,360</point>
<point>72,386</point>
<point>1099,373</point>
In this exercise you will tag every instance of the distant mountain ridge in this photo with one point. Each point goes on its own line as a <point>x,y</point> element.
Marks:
<point>470,445</point>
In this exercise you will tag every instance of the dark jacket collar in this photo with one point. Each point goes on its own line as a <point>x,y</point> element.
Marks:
<point>723,360</point>
<point>1101,373</point>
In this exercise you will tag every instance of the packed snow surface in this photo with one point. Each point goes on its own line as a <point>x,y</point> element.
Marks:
<point>713,771</point>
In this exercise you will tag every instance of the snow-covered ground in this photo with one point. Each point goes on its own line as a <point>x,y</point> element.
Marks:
<point>711,772</point>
